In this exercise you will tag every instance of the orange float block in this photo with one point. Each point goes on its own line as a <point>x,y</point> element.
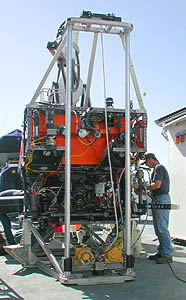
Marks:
<point>84,151</point>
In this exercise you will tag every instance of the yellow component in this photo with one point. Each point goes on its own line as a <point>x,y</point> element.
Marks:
<point>119,241</point>
<point>83,256</point>
<point>114,254</point>
<point>29,162</point>
<point>134,158</point>
<point>136,240</point>
<point>138,246</point>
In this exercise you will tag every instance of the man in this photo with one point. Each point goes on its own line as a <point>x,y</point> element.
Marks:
<point>7,229</point>
<point>159,188</point>
<point>10,185</point>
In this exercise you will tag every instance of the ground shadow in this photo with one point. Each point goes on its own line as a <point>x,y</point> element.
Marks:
<point>24,271</point>
<point>6,292</point>
<point>152,282</point>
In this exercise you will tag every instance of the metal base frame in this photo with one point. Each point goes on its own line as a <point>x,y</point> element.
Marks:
<point>90,280</point>
<point>80,275</point>
<point>76,278</point>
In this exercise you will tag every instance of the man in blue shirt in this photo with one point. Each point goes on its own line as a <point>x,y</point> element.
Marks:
<point>159,188</point>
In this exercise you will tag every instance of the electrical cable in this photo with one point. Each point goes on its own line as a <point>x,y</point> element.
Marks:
<point>85,143</point>
<point>56,195</point>
<point>38,139</point>
<point>141,232</point>
<point>54,171</point>
<point>118,193</point>
<point>108,148</point>
<point>46,189</point>
<point>81,154</point>
<point>29,162</point>
<point>173,272</point>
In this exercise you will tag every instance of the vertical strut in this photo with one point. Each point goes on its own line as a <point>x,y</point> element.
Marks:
<point>68,140</point>
<point>127,145</point>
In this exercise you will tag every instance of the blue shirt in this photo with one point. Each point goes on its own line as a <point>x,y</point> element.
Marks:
<point>160,173</point>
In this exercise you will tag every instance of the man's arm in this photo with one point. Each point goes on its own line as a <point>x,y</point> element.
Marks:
<point>154,185</point>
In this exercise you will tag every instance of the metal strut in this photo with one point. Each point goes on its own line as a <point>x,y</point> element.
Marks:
<point>67,259</point>
<point>129,260</point>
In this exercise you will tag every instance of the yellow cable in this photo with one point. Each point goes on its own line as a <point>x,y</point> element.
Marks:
<point>40,138</point>
<point>29,162</point>
<point>85,143</point>
<point>50,171</point>
<point>38,143</point>
<point>78,155</point>
<point>42,171</point>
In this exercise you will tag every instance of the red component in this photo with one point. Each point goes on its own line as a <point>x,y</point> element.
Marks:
<point>60,228</point>
<point>138,139</point>
<point>101,200</point>
<point>142,123</point>
<point>182,138</point>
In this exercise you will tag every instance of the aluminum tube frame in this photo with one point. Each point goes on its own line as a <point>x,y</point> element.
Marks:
<point>68,140</point>
<point>91,66</point>
<point>38,90</point>
<point>27,240</point>
<point>12,198</point>
<point>47,251</point>
<point>94,21</point>
<point>136,86</point>
<point>134,79</point>
<point>127,145</point>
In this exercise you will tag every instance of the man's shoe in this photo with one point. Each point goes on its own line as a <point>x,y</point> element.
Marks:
<point>154,256</point>
<point>164,260</point>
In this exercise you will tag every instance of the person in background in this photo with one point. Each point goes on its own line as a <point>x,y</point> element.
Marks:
<point>7,229</point>
<point>10,185</point>
<point>159,187</point>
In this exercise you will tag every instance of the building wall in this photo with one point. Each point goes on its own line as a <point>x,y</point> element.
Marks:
<point>177,171</point>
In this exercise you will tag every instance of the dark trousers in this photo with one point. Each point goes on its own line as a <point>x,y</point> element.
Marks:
<point>7,229</point>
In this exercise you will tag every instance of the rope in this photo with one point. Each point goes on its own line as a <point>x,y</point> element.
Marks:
<point>107,140</point>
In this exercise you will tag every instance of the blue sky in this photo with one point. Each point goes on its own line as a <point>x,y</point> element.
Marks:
<point>158,50</point>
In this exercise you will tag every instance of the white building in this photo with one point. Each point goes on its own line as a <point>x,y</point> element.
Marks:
<point>174,130</point>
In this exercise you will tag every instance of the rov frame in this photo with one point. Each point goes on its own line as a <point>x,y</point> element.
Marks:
<point>63,270</point>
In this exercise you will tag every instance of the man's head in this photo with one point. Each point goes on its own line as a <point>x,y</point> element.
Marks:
<point>149,159</point>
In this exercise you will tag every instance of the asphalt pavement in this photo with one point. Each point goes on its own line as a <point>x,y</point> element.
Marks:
<point>153,281</point>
